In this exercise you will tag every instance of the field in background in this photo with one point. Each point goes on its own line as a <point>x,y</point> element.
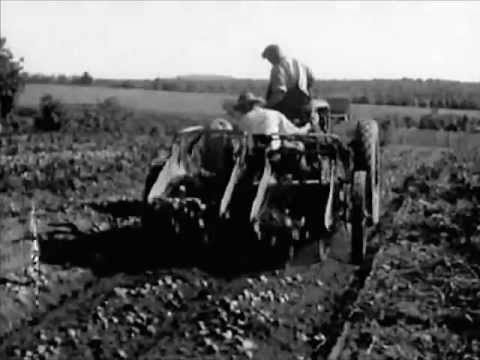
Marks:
<point>138,99</point>
<point>195,103</point>
<point>382,111</point>
<point>194,106</point>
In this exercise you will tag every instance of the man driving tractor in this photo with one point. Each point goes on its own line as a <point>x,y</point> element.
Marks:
<point>289,89</point>
<point>287,109</point>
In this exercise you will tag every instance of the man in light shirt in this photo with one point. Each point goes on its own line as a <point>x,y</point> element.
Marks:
<point>257,120</point>
<point>289,90</point>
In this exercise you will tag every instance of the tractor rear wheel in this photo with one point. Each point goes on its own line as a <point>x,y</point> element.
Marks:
<point>367,158</point>
<point>358,217</point>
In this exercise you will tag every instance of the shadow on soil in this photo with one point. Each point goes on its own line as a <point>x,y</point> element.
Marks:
<point>133,249</point>
<point>120,208</point>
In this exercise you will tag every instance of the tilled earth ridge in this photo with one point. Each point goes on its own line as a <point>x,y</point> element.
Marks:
<point>191,314</point>
<point>188,314</point>
<point>80,185</point>
<point>421,300</point>
<point>196,312</point>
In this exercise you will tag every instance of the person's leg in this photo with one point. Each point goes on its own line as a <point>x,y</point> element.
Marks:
<point>295,106</point>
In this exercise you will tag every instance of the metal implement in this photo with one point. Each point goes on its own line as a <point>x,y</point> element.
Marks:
<point>279,190</point>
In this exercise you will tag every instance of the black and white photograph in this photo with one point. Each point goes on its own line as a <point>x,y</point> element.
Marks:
<point>268,180</point>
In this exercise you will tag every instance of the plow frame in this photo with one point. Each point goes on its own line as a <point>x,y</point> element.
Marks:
<point>255,166</point>
<point>318,161</point>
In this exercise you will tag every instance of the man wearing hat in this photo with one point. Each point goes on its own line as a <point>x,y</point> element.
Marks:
<point>289,90</point>
<point>256,119</point>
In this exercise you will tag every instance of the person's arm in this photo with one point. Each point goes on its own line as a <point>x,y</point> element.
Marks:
<point>304,129</point>
<point>288,128</point>
<point>277,86</point>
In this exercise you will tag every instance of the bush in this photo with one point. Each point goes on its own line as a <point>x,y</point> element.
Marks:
<point>50,116</point>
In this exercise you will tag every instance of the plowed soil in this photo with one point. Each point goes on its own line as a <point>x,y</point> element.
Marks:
<point>103,293</point>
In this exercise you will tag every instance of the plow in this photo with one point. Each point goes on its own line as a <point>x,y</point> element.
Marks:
<point>281,192</point>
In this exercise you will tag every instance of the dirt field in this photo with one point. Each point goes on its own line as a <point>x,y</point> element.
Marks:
<point>98,301</point>
<point>420,299</point>
<point>104,293</point>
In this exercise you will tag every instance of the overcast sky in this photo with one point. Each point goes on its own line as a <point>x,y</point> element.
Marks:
<point>137,39</point>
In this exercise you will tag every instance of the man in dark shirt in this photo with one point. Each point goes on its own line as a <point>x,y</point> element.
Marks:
<point>289,90</point>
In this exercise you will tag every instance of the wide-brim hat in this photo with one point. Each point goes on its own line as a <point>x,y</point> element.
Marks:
<point>247,98</point>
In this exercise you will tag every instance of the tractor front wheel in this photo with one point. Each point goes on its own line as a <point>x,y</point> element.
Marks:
<point>359,217</point>
<point>367,157</point>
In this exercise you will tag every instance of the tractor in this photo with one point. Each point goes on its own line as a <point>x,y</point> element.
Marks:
<point>280,191</point>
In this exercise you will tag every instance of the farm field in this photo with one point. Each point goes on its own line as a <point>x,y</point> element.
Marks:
<point>190,103</point>
<point>104,293</point>
<point>140,218</point>
<point>137,99</point>
<point>204,106</point>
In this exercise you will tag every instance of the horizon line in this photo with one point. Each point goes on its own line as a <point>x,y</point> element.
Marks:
<point>230,77</point>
